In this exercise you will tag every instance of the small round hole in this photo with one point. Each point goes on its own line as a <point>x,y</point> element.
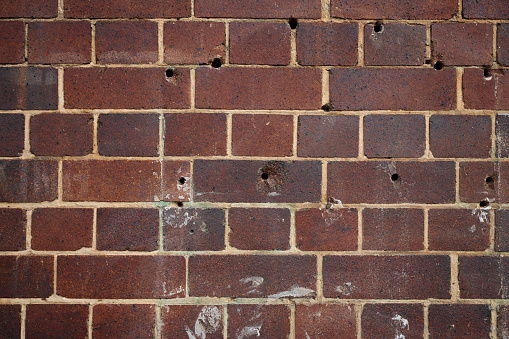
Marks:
<point>265,176</point>
<point>490,180</point>
<point>484,203</point>
<point>438,65</point>
<point>180,204</point>
<point>395,177</point>
<point>487,74</point>
<point>427,62</point>
<point>169,73</point>
<point>293,23</point>
<point>216,63</point>
<point>327,107</point>
<point>378,27</point>
<point>191,231</point>
<point>182,180</point>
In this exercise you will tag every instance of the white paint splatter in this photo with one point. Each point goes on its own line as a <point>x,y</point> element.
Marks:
<point>208,321</point>
<point>346,288</point>
<point>253,283</point>
<point>473,228</point>
<point>296,292</point>
<point>482,214</point>
<point>274,194</point>
<point>400,323</point>
<point>250,331</point>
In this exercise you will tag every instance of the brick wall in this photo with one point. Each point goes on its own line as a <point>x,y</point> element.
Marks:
<point>233,169</point>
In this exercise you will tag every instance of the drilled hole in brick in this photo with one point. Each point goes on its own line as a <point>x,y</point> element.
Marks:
<point>180,204</point>
<point>490,180</point>
<point>378,27</point>
<point>395,177</point>
<point>169,73</point>
<point>182,180</point>
<point>484,203</point>
<point>427,61</point>
<point>265,176</point>
<point>191,231</point>
<point>327,107</point>
<point>438,65</point>
<point>487,74</point>
<point>293,23</point>
<point>216,63</point>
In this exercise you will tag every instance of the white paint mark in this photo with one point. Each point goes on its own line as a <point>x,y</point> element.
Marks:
<point>208,321</point>
<point>296,292</point>
<point>400,323</point>
<point>473,228</point>
<point>307,336</point>
<point>346,288</point>
<point>482,214</point>
<point>274,194</point>
<point>250,331</point>
<point>336,201</point>
<point>253,283</point>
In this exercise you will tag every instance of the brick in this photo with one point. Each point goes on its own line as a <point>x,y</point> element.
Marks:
<point>136,88</point>
<point>503,321</point>
<point>386,277</point>
<point>257,181</point>
<point>28,9</point>
<point>328,136</point>
<point>12,134</point>
<point>12,39</point>
<point>480,92</point>
<point>127,9</point>
<point>325,320</point>
<point>258,88</point>
<point>57,321</point>
<point>459,321</point>
<point>483,277</point>
<point>126,42</point>
<point>195,134</point>
<point>194,42</point>
<point>262,135</point>
<point>26,276</point>
<point>503,44</point>
<point>460,136</point>
<point>125,180</point>
<point>393,229</point>
<point>392,320</point>
<point>124,321</point>
<point>394,136</point>
<point>485,9</point>
<point>502,230</point>
<point>259,228</point>
<point>502,135</point>
<point>248,276</point>
<point>193,229</point>
<point>261,43</point>
<point>10,321</point>
<point>254,9</point>
<point>121,277</point>
<point>28,180</point>
<point>326,229</point>
<point>62,229</point>
<point>393,44</point>
<point>267,321</point>
<point>128,135</point>
<point>484,181</point>
<point>410,89</point>
<point>32,88</point>
<point>127,229</point>
<point>188,321</point>
<point>57,134</point>
<point>392,182</point>
<point>12,230</point>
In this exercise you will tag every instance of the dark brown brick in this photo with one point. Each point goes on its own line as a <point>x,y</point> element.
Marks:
<point>258,88</point>
<point>392,182</point>
<point>257,181</point>
<point>193,229</point>
<point>59,321</point>
<point>124,321</point>
<point>12,230</point>
<point>483,277</point>
<point>137,88</point>
<point>393,44</point>
<point>127,229</point>
<point>126,42</point>
<point>252,276</point>
<point>59,42</point>
<point>129,180</point>
<point>128,135</point>
<point>192,321</point>
<point>502,135</point>
<point>262,135</point>
<point>480,92</point>
<point>393,229</point>
<point>12,134</point>
<point>28,9</point>
<point>394,136</point>
<point>33,88</point>
<point>10,321</point>
<point>459,321</point>
<point>121,277</point>
<point>28,180</point>
<point>502,230</point>
<point>326,229</point>
<point>127,9</point>
<point>62,229</point>
<point>503,321</point>
<point>392,320</point>
<point>12,39</point>
<point>26,276</point>
<point>259,43</point>
<point>484,181</point>
<point>503,44</point>
<point>411,89</point>
<point>485,9</point>
<point>259,228</point>
<point>325,321</point>
<point>265,321</point>
<point>195,134</point>
<point>386,277</point>
<point>58,134</point>
<point>255,9</point>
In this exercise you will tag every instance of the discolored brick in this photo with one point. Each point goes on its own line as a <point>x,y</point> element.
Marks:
<point>388,320</point>
<point>483,277</point>
<point>480,92</point>
<point>484,181</point>
<point>503,44</point>
<point>123,321</point>
<point>10,321</point>
<point>12,134</point>
<point>485,9</point>
<point>12,40</point>
<point>266,321</point>
<point>255,9</point>
<point>127,9</point>
<point>502,321</point>
<point>325,321</point>
<point>12,229</point>
<point>502,230</point>
<point>188,321</point>
<point>59,321</point>
<point>28,9</point>
<point>459,321</point>
<point>26,276</point>
<point>502,135</point>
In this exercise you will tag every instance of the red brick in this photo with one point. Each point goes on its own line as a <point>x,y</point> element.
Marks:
<point>503,321</point>
<point>259,228</point>
<point>193,229</point>
<point>62,229</point>
<point>483,277</point>
<point>502,135</point>
<point>243,181</point>
<point>137,88</point>
<point>57,321</point>
<point>129,180</point>
<point>480,92</point>
<point>459,321</point>
<point>124,321</point>
<point>262,43</point>
<point>393,229</point>
<point>392,320</point>
<point>128,135</point>
<point>12,134</point>
<point>326,229</point>
<point>258,88</point>
<point>503,44</point>
<point>192,321</point>
<point>12,230</point>
<point>248,276</point>
<point>127,9</point>
<point>325,321</point>
<point>485,9</point>
<point>127,229</point>
<point>328,136</point>
<point>26,276</point>
<point>59,42</point>
<point>12,39</point>
<point>255,9</point>
<point>262,135</point>
<point>376,182</point>
<point>58,134</point>
<point>394,136</point>
<point>28,9</point>
<point>195,134</point>
<point>266,321</point>
<point>411,89</point>
<point>121,277</point>
<point>10,321</point>
<point>484,181</point>
<point>502,230</point>
<point>386,277</point>
<point>126,42</point>
<point>28,180</point>
<point>394,44</point>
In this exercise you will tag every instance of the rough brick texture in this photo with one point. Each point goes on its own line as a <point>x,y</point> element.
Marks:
<point>10,321</point>
<point>12,136</point>
<point>258,9</point>
<point>12,39</point>
<point>26,276</point>
<point>123,321</point>
<point>325,320</point>
<point>12,229</point>
<point>273,321</point>
<point>459,321</point>
<point>483,181</point>
<point>388,320</point>
<point>480,92</point>
<point>503,44</point>
<point>483,277</point>
<point>485,9</point>
<point>56,321</point>
<point>184,321</point>
<point>502,230</point>
<point>127,9</point>
<point>28,9</point>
